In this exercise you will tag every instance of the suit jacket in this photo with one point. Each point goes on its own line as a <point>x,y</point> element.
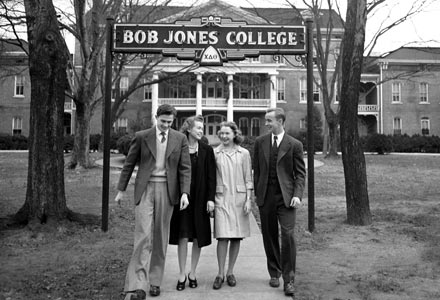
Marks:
<point>143,151</point>
<point>290,167</point>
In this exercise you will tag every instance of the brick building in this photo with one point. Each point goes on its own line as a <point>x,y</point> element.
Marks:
<point>14,88</point>
<point>399,91</point>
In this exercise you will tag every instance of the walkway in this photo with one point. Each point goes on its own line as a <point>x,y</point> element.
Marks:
<point>250,269</point>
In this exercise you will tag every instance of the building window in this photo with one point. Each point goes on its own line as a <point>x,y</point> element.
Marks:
<point>302,123</point>
<point>316,93</point>
<point>255,90</point>
<point>182,87</point>
<point>303,90</point>
<point>244,87</point>
<point>281,89</point>
<point>123,87</point>
<point>19,86</point>
<point>121,125</point>
<point>397,126</point>
<point>396,92</point>
<point>243,124</point>
<point>17,126</point>
<point>255,127</point>
<point>423,92</point>
<point>147,91</point>
<point>425,126</point>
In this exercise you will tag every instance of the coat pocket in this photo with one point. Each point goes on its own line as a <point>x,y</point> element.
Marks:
<point>219,189</point>
<point>241,188</point>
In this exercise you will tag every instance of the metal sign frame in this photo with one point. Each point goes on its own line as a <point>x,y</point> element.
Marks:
<point>209,40</point>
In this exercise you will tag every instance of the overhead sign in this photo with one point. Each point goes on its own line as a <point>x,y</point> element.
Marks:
<point>209,40</point>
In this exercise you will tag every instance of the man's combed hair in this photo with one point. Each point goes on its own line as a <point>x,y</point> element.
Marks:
<point>166,109</point>
<point>279,113</point>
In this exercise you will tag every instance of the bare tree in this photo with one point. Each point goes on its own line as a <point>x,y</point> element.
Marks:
<point>88,80</point>
<point>48,56</point>
<point>356,189</point>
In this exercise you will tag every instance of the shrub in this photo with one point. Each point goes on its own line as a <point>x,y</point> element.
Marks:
<point>248,143</point>
<point>123,144</point>
<point>68,143</point>
<point>95,141</point>
<point>13,142</point>
<point>379,143</point>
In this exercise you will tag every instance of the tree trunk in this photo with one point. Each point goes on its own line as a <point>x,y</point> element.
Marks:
<point>356,191</point>
<point>48,55</point>
<point>80,154</point>
<point>333,137</point>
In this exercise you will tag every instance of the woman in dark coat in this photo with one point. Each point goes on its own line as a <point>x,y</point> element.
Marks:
<point>192,224</point>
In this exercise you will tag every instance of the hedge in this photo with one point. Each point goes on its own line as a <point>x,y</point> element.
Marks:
<point>381,144</point>
<point>377,143</point>
<point>13,142</point>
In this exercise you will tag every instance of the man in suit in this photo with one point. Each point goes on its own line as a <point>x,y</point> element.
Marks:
<point>163,179</point>
<point>279,178</point>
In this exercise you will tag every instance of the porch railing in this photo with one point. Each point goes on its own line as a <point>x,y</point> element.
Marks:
<point>368,108</point>
<point>220,102</point>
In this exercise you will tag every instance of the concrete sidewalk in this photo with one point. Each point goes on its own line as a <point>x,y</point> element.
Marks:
<point>250,272</point>
<point>250,269</point>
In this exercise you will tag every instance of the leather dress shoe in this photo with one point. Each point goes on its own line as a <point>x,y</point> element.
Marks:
<point>181,285</point>
<point>230,279</point>
<point>154,290</point>
<point>289,288</point>
<point>274,282</point>
<point>218,282</point>
<point>138,295</point>
<point>192,282</point>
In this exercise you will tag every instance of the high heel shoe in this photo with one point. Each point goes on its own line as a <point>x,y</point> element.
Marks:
<point>180,285</point>
<point>192,282</point>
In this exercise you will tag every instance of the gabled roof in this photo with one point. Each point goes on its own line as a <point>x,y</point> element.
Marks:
<point>414,54</point>
<point>253,15</point>
<point>216,8</point>
<point>13,47</point>
<point>292,16</point>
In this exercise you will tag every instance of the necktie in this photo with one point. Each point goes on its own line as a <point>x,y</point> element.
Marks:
<point>163,137</point>
<point>275,145</point>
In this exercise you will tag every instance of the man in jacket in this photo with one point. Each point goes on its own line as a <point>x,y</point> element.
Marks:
<point>163,179</point>
<point>279,178</point>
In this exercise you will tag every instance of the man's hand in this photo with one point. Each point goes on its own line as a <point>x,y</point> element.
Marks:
<point>184,201</point>
<point>295,202</point>
<point>120,196</point>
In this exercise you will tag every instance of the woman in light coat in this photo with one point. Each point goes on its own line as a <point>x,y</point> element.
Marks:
<point>232,199</point>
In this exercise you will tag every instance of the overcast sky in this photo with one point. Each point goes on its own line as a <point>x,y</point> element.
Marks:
<point>421,30</point>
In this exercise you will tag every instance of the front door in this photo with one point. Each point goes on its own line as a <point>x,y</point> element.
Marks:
<point>212,126</point>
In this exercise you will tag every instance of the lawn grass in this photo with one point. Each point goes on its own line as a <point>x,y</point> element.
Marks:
<point>81,262</point>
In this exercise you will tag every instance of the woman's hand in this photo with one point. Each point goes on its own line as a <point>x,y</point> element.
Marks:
<point>210,206</point>
<point>247,206</point>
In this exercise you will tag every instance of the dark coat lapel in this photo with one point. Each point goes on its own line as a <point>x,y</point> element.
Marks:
<point>150,140</point>
<point>266,147</point>
<point>172,143</point>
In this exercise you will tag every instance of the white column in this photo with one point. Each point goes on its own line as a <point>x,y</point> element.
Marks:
<point>199,94</point>
<point>154,98</point>
<point>230,108</point>
<point>273,91</point>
